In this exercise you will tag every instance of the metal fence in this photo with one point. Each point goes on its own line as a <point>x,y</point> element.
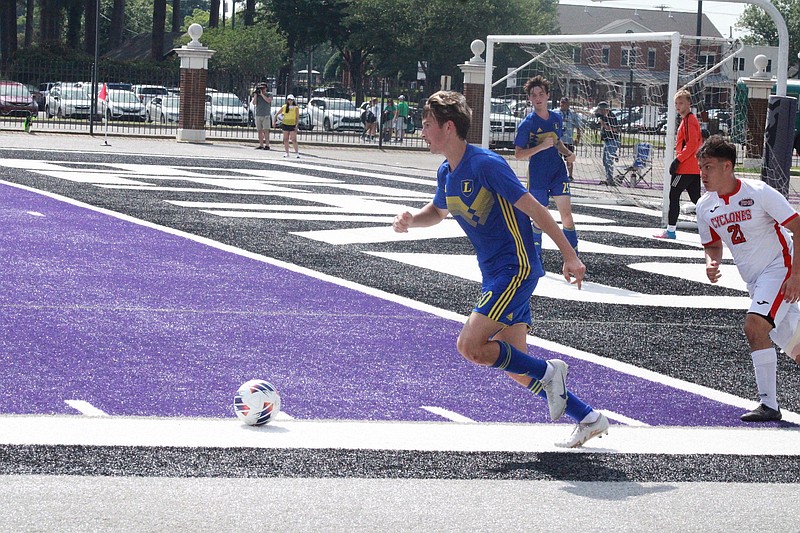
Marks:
<point>143,101</point>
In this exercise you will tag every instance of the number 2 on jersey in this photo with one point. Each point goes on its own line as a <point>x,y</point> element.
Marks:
<point>737,237</point>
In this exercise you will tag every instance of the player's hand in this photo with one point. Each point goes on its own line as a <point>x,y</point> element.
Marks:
<point>570,158</point>
<point>548,142</point>
<point>402,222</point>
<point>712,271</point>
<point>791,289</point>
<point>574,270</point>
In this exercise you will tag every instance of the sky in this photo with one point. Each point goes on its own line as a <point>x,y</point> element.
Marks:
<point>722,14</point>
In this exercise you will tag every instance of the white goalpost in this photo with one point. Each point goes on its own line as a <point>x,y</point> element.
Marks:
<point>636,73</point>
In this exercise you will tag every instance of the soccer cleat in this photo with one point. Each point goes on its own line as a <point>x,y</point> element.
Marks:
<point>584,432</point>
<point>762,413</point>
<point>556,389</point>
<point>666,235</point>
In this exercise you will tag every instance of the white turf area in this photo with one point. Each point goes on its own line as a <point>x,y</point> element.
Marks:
<point>354,435</point>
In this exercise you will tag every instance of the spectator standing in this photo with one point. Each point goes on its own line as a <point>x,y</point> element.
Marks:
<point>609,134</point>
<point>685,170</point>
<point>485,197</point>
<point>539,140</point>
<point>387,119</point>
<point>291,116</point>
<point>572,127</point>
<point>371,120</point>
<point>262,101</point>
<point>751,219</point>
<point>400,118</point>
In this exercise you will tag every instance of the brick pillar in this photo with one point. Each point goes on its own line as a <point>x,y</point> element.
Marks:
<point>194,72</point>
<point>474,76</point>
<point>193,99</point>
<point>473,92</point>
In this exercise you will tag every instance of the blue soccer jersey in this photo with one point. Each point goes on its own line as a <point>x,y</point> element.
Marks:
<point>547,165</point>
<point>480,194</point>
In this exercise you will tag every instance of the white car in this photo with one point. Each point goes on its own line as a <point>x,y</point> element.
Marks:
<point>503,125</point>
<point>68,102</point>
<point>163,109</point>
<point>145,93</point>
<point>334,114</point>
<point>121,105</point>
<point>225,108</point>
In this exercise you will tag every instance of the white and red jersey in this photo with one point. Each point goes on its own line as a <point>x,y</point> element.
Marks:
<point>750,222</point>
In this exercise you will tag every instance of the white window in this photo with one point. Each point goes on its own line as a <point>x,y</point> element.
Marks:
<point>627,57</point>
<point>707,60</point>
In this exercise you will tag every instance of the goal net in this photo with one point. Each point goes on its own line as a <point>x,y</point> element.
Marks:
<point>637,74</point>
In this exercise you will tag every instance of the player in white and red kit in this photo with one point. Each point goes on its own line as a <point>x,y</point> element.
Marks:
<point>751,219</point>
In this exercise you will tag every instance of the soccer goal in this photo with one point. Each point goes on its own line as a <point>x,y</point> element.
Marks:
<point>637,74</point>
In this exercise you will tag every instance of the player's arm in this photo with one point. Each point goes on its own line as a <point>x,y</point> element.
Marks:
<point>430,215</point>
<point>525,153</point>
<point>573,267</point>
<point>713,251</point>
<point>791,287</point>
<point>562,149</point>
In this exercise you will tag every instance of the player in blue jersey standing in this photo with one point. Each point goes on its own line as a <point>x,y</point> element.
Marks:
<point>494,209</point>
<point>539,140</point>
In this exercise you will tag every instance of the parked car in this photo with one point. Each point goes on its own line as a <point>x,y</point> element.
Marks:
<point>331,91</point>
<point>335,114</point>
<point>304,121</point>
<point>68,102</point>
<point>121,105</point>
<point>163,109</point>
<point>146,92</point>
<point>225,108</point>
<point>41,94</point>
<point>16,100</point>
<point>503,124</point>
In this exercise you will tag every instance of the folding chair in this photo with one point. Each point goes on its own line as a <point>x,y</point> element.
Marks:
<point>639,170</point>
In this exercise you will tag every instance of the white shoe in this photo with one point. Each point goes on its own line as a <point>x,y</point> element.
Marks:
<point>584,432</point>
<point>556,389</point>
<point>297,155</point>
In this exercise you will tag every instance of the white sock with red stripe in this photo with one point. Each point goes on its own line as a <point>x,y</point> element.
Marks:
<point>765,364</point>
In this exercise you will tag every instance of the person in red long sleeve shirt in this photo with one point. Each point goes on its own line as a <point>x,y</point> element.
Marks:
<point>685,169</point>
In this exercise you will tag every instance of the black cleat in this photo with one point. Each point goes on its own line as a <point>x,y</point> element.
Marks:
<point>762,413</point>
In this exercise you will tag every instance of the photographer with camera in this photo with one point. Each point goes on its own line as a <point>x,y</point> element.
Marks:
<point>262,101</point>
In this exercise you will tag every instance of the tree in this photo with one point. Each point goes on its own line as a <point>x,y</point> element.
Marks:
<point>159,18</point>
<point>763,30</point>
<point>117,24</point>
<point>8,30</point>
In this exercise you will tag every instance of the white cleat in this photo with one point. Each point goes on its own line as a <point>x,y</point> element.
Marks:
<point>556,389</point>
<point>584,432</point>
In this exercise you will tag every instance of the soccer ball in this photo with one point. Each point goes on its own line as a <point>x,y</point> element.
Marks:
<point>256,402</point>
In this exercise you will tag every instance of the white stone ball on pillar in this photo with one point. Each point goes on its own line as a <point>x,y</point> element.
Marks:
<point>761,61</point>
<point>478,47</point>
<point>195,31</point>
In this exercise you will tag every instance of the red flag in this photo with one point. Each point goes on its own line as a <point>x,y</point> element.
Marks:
<point>103,93</point>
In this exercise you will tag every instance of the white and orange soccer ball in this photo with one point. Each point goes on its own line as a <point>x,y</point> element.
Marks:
<point>257,402</point>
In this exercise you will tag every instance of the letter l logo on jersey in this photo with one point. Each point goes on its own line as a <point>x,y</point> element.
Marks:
<point>467,187</point>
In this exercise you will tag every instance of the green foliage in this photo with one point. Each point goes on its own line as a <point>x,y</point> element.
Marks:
<point>763,31</point>
<point>250,50</point>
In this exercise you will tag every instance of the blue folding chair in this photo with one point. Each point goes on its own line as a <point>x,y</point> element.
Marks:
<point>639,170</point>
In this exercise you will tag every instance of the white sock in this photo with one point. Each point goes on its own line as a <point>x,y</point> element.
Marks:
<point>672,228</point>
<point>765,365</point>
<point>548,374</point>
<point>591,418</point>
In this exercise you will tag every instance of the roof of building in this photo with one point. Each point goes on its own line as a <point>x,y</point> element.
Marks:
<point>138,48</point>
<point>579,20</point>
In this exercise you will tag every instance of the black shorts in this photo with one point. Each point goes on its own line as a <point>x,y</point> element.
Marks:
<point>571,148</point>
<point>286,127</point>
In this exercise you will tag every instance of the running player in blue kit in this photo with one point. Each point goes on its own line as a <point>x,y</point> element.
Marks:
<point>539,140</point>
<point>495,210</point>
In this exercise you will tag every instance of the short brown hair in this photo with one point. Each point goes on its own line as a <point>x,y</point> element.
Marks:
<point>717,147</point>
<point>449,105</point>
<point>683,93</point>
<point>538,81</point>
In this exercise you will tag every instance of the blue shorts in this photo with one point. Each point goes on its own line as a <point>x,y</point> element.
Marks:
<point>544,190</point>
<point>507,300</point>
